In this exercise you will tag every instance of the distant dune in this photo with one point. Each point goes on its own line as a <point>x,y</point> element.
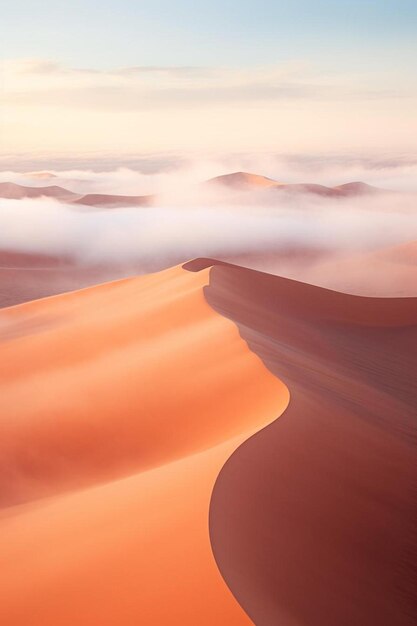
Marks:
<point>12,191</point>
<point>26,276</point>
<point>247,181</point>
<point>243,180</point>
<point>387,271</point>
<point>237,182</point>
<point>113,201</point>
<point>405,254</point>
<point>17,192</point>
<point>121,404</point>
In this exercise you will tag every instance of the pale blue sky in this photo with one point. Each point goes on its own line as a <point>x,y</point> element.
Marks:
<point>115,33</point>
<point>292,75</point>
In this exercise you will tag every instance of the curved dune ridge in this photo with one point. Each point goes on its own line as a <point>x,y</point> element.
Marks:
<point>119,406</point>
<point>135,449</point>
<point>312,520</point>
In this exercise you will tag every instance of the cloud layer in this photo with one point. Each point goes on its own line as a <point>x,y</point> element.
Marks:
<point>170,234</point>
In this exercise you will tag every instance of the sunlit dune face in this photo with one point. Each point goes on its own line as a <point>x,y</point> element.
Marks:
<point>138,392</point>
<point>96,356</point>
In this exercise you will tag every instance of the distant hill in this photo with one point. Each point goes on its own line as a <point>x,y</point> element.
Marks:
<point>13,191</point>
<point>248,181</point>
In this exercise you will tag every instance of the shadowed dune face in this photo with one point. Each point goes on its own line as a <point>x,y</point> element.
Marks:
<point>312,519</point>
<point>122,402</point>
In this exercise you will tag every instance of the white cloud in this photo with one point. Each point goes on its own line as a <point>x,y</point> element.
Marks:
<point>172,234</point>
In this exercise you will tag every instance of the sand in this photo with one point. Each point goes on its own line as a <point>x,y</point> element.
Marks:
<point>142,458</point>
<point>119,406</point>
<point>312,519</point>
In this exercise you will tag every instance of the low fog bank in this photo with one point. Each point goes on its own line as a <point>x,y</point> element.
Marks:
<point>47,246</point>
<point>156,235</point>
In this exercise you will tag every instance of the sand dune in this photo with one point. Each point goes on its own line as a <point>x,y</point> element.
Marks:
<point>113,201</point>
<point>241,180</point>
<point>25,276</point>
<point>123,407</point>
<point>13,191</point>
<point>404,254</point>
<point>248,181</point>
<point>385,272</point>
<point>312,520</point>
<point>357,188</point>
<point>236,182</point>
<point>121,402</point>
<point>388,272</point>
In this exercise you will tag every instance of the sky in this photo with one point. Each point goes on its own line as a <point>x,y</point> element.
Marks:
<point>135,77</point>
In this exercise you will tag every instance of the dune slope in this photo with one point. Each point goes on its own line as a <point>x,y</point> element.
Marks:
<point>119,406</point>
<point>134,447</point>
<point>312,520</point>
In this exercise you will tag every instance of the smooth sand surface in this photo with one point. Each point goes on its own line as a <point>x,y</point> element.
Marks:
<point>119,406</point>
<point>312,520</point>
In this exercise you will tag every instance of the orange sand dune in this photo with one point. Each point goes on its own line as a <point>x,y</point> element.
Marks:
<point>121,403</point>
<point>122,410</point>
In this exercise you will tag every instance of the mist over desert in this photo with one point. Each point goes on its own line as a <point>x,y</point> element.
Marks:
<point>208,313</point>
